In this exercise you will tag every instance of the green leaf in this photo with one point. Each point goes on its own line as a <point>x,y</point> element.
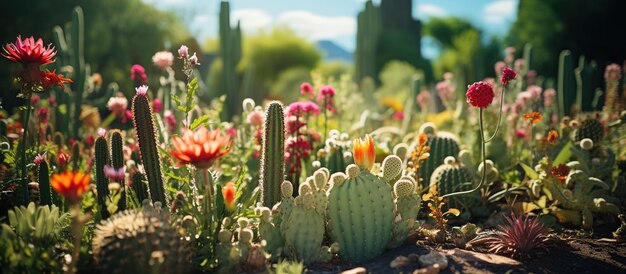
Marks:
<point>202,120</point>
<point>530,172</point>
<point>563,155</point>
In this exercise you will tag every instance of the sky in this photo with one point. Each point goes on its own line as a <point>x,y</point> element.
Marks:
<point>333,20</point>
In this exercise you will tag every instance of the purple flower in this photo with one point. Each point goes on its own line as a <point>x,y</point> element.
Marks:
<point>114,173</point>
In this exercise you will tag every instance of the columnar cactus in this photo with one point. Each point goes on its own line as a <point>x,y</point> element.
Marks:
<point>442,145</point>
<point>139,187</point>
<point>146,137</point>
<point>566,83</point>
<point>230,53</point>
<point>45,191</point>
<point>368,33</point>
<point>452,177</point>
<point>102,182</point>
<point>76,155</point>
<point>272,159</point>
<point>117,161</point>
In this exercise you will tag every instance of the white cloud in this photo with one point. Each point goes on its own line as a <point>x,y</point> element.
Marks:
<point>251,20</point>
<point>499,12</point>
<point>430,10</point>
<point>318,27</point>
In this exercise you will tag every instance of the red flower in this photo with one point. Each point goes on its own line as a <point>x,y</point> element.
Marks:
<point>72,185</point>
<point>28,51</point>
<point>560,172</point>
<point>507,75</point>
<point>553,136</point>
<point>50,78</point>
<point>200,148</point>
<point>228,191</point>
<point>480,95</point>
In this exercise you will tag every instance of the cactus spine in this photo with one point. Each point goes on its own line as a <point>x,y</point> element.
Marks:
<point>566,83</point>
<point>102,182</point>
<point>117,162</point>
<point>272,159</point>
<point>146,137</point>
<point>368,31</point>
<point>230,53</point>
<point>45,193</point>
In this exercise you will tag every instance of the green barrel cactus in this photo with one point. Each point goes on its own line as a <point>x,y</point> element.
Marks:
<point>590,128</point>
<point>272,171</point>
<point>442,144</point>
<point>140,241</point>
<point>453,177</point>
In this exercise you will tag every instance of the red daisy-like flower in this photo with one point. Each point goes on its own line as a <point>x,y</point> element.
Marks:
<point>507,75</point>
<point>480,94</point>
<point>50,78</point>
<point>200,148</point>
<point>28,51</point>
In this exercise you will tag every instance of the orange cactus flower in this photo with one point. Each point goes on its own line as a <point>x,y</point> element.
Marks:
<point>560,172</point>
<point>228,191</point>
<point>200,148</point>
<point>553,136</point>
<point>533,117</point>
<point>72,185</point>
<point>364,153</point>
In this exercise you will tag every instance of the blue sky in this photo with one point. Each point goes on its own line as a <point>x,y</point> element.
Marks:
<point>332,19</point>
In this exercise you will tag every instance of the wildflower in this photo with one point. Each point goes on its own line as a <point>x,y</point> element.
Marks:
<point>293,124</point>
<point>534,92</point>
<point>194,59</point>
<point>548,97</point>
<point>553,136</point>
<point>303,108</point>
<point>480,95</point>
<point>29,52</point>
<point>34,100</point>
<point>613,72</point>
<point>42,115</point>
<point>62,158</point>
<point>507,75</point>
<point>52,101</point>
<point>255,118</point>
<point>200,148</point>
<point>520,133</point>
<point>398,115</point>
<point>183,51</point>
<point>39,159</point>
<point>50,79</point>
<point>114,173</point>
<point>306,88</point>
<point>117,105</point>
<point>157,105</point>
<point>142,90</point>
<point>138,74</point>
<point>445,91</point>
<point>326,95</point>
<point>71,185</point>
<point>228,191</point>
<point>560,172</point>
<point>364,153</point>
<point>533,117</point>
<point>423,99</point>
<point>163,59</point>
<point>169,119</point>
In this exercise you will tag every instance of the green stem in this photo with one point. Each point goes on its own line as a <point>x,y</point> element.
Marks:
<point>208,187</point>
<point>484,173</point>
<point>499,117</point>
<point>325,117</point>
<point>77,232</point>
<point>23,152</point>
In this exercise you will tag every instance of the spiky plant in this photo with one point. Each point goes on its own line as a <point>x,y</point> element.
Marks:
<point>516,237</point>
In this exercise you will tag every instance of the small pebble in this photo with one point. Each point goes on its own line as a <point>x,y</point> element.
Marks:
<point>431,269</point>
<point>432,258</point>
<point>358,270</point>
<point>399,261</point>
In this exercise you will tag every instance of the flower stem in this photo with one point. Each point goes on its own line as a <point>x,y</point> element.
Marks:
<point>208,186</point>
<point>325,117</point>
<point>24,176</point>
<point>484,173</point>
<point>499,117</point>
<point>77,232</point>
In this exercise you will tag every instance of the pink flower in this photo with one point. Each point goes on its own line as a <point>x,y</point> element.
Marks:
<point>520,133</point>
<point>183,51</point>
<point>52,101</point>
<point>42,115</point>
<point>499,66</point>
<point>194,59</point>
<point>445,91</point>
<point>170,120</point>
<point>163,59</point>
<point>507,75</point>
<point>157,106</point>
<point>34,100</point>
<point>548,97</point>
<point>293,124</point>
<point>142,90</point>
<point>306,88</point>
<point>531,77</point>
<point>138,74</point>
<point>398,115</point>
<point>117,105</point>
<point>127,116</point>
<point>232,132</point>
<point>480,95</point>
<point>423,99</point>
<point>114,173</point>
<point>39,158</point>
<point>62,158</point>
<point>327,91</point>
<point>613,72</point>
<point>102,132</point>
<point>303,108</point>
<point>28,51</point>
<point>535,92</point>
<point>255,118</point>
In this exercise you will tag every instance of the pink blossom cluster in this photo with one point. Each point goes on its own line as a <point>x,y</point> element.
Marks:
<point>163,59</point>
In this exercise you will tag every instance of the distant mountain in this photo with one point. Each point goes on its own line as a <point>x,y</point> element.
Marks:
<point>333,52</point>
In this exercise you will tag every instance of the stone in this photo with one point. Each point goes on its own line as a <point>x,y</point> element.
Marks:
<point>471,256</point>
<point>414,257</point>
<point>431,269</point>
<point>358,270</point>
<point>432,258</point>
<point>399,261</point>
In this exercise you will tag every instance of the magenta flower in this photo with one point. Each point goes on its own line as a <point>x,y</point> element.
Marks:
<point>306,88</point>
<point>507,75</point>
<point>157,106</point>
<point>480,95</point>
<point>255,118</point>
<point>114,173</point>
<point>138,74</point>
<point>39,158</point>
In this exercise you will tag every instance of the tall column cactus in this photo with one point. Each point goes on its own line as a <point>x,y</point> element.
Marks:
<point>585,84</point>
<point>367,35</point>
<point>272,159</point>
<point>117,162</point>
<point>566,84</point>
<point>230,53</point>
<point>146,137</point>
<point>45,193</point>
<point>102,182</point>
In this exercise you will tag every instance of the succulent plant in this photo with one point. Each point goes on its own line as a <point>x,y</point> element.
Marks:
<point>442,144</point>
<point>272,171</point>
<point>517,236</point>
<point>452,177</point>
<point>590,128</point>
<point>37,222</point>
<point>140,241</point>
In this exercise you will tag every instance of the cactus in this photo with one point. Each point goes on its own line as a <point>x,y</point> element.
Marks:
<point>442,144</point>
<point>272,159</point>
<point>566,84</point>
<point>102,182</point>
<point>361,210</point>
<point>407,203</point>
<point>140,241</point>
<point>230,53</point>
<point>452,177</point>
<point>590,128</point>
<point>304,228</point>
<point>139,187</point>
<point>75,157</point>
<point>45,192</point>
<point>146,137</point>
<point>117,162</point>
<point>368,32</point>
<point>585,84</point>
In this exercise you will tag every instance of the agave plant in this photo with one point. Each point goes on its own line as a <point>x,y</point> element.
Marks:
<point>516,237</point>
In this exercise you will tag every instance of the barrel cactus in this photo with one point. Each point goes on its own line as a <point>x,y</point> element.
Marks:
<point>590,128</point>
<point>452,177</point>
<point>140,241</point>
<point>442,144</point>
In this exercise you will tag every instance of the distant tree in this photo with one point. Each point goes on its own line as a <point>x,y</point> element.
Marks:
<point>594,28</point>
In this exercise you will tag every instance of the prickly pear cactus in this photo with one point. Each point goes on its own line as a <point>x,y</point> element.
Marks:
<point>407,203</point>
<point>361,210</point>
<point>452,177</point>
<point>140,241</point>
<point>590,128</point>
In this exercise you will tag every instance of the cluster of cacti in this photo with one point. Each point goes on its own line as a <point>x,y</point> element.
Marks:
<point>335,158</point>
<point>590,128</point>
<point>442,144</point>
<point>140,241</point>
<point>234,257</point>
<point>147,139</point>
<point>407,203</point>
<point>230,53</point>
<point>451,177</point>
<point>116,144</point>
<point>367,35</point>
<point>272,170</point>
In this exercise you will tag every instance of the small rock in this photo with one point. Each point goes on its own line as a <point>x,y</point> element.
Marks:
<point>471,256</point>
<point>358,270</point>
<point>431,269</point>
<point>399,261</point>
<point>432,258</point>
<point>414,257</point>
